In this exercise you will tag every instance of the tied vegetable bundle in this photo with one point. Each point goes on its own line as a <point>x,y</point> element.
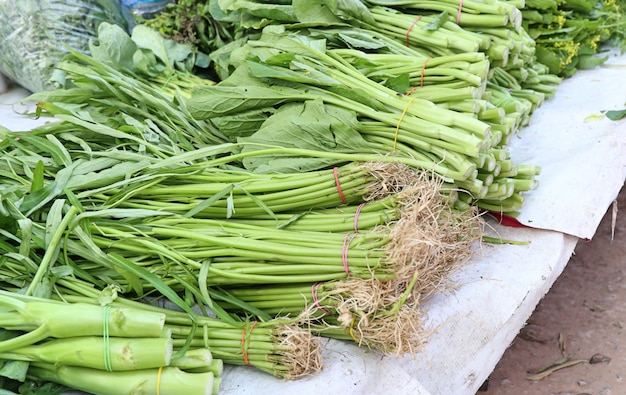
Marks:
<point>202,195</point>
<point>402,253</point>
<point>109,350</point>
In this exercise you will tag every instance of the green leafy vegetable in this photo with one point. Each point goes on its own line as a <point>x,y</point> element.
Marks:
<point>615,115</point>
<point>34,35</point>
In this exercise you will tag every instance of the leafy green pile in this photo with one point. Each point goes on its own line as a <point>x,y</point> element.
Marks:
<point>571,34</point>
<point>331,170</point>
<point>34,35</point>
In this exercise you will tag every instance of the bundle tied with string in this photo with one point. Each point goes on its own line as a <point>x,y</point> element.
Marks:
<point>427,241</point>
<point>431,239</point>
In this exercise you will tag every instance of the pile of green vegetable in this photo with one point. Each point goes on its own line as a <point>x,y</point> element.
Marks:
<point>275,171</point>
<point>571,34</point>
<point>110,349</point>
<point>35,35</point>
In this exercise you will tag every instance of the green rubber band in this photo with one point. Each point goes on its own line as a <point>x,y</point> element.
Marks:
<point>105,334</point>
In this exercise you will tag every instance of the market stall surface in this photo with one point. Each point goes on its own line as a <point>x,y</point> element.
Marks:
<point>582,318</point>
<point>584,167</point>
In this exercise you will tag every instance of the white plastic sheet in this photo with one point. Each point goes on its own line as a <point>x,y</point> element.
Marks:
<point>583,158</point>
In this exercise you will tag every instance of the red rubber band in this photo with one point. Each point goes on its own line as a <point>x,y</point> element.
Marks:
<point>244,348</point>
<point>411,28</point>
<point>458,14</point>
<point>356,217</point>
<point>343,198</point>
<point>344,252</point>
<point>315,299</point>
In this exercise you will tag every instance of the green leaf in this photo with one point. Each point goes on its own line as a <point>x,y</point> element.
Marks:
<point>121,213</point>
<point>314,11</point>
<point>145,62</point>
<point>15,370</point>
<point>87,176</point>
<point>38,177</point>
<point>209,202</point>
<point>244,124</point>
<point>437,22</point>
<point>53,220</point>
<point>615,115</point>
<point>549,58</point>
<point>217,101</point>
<point>309,125</point>
<point>351,10</point>
<point>41,197</point>
<point>153,280</point>
<point>224,296</point>
<point>590,61</point>
<point>114,45</point>
<point>352,38</point>
<point>26,228</point>
<point>148,38</point>
<point>206,296</point>
<point>399,83</point>
<point>257,201</point>
<point>298,72</point>
<point>230,205</point>
<point>50,145</point>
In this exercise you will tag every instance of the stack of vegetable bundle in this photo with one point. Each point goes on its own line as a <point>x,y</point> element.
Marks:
<point>122,220</point>
<point>108,350</point>
<point>570,34</point>
<point>328,173</point>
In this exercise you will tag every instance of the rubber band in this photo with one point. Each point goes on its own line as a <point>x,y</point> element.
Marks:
<point>356,217</point>
<point>344,252</point>
<point>423,71</point>
<point>341,195</point>
<point>352,335</point>
<point>158,383</point>
<point>458,14</point>
<point>411,28</point>
<point>395,139</point>
<point>245,340</point>
<point>421,78</point>
<point>315,299</point>
<point>106,345</point>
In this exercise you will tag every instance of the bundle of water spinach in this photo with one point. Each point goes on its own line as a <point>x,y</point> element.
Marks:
<point>101,349</point>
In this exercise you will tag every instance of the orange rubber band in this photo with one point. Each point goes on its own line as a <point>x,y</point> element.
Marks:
<point>458,14</point>
<point>244,342</point>
<point>158,383</point>
<point>341,195</point>
<point>421,78</point>
<point>411,28</point>
<point>423,71</point>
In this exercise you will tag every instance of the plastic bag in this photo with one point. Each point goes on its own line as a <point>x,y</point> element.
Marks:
<point>34,35</point>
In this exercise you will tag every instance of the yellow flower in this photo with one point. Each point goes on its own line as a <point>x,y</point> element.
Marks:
<point>567,51</point>
<point>593,43</point>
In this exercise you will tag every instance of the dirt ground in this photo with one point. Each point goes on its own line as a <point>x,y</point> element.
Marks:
<point>581,322</point>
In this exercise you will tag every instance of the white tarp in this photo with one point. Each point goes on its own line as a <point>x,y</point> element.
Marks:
<point>582,157</point>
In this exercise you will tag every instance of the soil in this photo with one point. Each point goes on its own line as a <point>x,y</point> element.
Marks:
<point>581,321</point>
